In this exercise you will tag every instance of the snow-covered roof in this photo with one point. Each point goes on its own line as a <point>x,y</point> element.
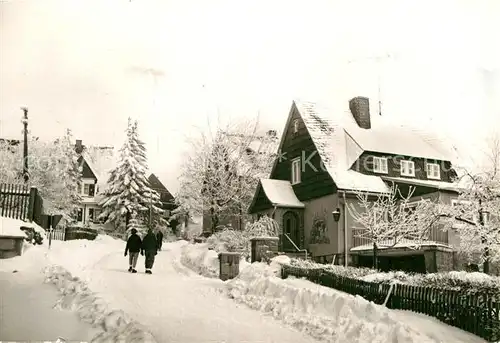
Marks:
<point>340,142</point>
<point>280,193</point>
<point>101,161</point>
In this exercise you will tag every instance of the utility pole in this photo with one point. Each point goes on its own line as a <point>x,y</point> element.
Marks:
<point>378,60</point>
<point>25,147</point>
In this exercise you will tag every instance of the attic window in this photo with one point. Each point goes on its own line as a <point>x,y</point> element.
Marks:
<point>296,177</point>
<point>380,165</point>
<point>407,168</point>
<point>296,126</point>
<point>433,171</point>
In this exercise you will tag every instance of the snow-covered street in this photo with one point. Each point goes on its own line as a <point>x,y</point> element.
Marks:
<point>178,306</point>
<point>175,304</point>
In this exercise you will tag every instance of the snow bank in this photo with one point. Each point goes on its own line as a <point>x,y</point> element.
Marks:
<point>84,253</point>
<point>12,227</point>
<point>324,313</point>
<point>204,261</point>
<point>116,326</point>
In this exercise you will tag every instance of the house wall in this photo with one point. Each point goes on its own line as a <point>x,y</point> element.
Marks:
<point>318,241</point>
<point>364,164</point>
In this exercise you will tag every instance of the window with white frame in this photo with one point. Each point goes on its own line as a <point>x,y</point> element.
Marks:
<point>296,171</point>
<point>407,168</point>
<point>380,165</point>
<point>433,171</point>
<point>88,189</point>
<point>295,126</point>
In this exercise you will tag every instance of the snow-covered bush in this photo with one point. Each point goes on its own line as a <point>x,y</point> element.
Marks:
<point>228,240</point>
<point>350,272</point>
<point>239,241</point>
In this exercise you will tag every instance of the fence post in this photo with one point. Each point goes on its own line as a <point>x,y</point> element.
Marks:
<point>49,225</point>
<point>31,204</point>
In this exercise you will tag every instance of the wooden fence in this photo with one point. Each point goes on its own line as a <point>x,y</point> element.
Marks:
<point>476,313</point>
<point>14,201</point>
<point>22,202</point>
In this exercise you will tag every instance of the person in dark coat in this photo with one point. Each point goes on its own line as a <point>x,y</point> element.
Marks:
<point>149,249</point>
<point>159,239</point>
<point>134,245</point>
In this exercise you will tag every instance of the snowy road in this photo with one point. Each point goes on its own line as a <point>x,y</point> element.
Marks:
<point>27,313</point>
<point>178,306</point>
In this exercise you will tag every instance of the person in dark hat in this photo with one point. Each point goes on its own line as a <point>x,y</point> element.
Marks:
<point>134,245</point>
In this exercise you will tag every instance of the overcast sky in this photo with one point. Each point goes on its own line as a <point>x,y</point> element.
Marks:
<point>89,64</point>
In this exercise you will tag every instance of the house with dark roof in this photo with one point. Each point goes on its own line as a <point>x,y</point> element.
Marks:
<point>95,163</point>
<point>166,198</point>
<point>327,156</point>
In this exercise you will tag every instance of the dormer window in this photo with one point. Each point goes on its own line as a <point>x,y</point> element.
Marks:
<point>407,168</point>
<point>433,171</point>
<point>296,126</point>
<point>380,165</point>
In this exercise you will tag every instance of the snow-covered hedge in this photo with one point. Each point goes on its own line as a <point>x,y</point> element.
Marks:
<point>115,324</point>
<point>239,240</point>
<point>470,283</point>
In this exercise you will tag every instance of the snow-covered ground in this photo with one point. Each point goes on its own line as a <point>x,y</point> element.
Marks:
<point>325,313</point>
<point>176,304</point>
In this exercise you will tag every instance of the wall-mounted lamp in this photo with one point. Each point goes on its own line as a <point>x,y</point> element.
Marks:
<point>336,214</point>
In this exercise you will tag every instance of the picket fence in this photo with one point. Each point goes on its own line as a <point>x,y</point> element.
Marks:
<point>476,313</point>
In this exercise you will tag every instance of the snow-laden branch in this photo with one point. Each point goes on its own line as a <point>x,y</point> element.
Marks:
<point>220,171</point>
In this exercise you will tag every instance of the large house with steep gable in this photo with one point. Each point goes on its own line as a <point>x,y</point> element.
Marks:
<point>328,156</point>
<point>96,162</point>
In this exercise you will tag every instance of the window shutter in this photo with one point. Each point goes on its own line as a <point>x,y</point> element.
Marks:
<point>91,214</point>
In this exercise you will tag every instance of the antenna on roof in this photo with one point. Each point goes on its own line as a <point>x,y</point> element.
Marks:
<point>379,97</point>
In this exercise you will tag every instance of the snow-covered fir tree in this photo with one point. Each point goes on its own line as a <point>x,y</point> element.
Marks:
<point>128,193</point>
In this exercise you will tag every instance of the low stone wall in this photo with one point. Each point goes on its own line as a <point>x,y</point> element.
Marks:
<point>11,246</point>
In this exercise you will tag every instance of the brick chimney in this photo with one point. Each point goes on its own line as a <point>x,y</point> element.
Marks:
<point>360,109</point>
<point>78,146</point>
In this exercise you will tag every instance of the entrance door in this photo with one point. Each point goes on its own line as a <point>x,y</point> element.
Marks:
<point>291,229</point>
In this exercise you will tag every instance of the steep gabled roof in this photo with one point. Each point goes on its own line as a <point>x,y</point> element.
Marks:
<point>101,160</point>
<point>340,142</point>
<point>157,185</point>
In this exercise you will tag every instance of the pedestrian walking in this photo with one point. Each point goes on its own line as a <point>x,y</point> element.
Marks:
<point>133,247</point>
<point>149,249</point>
<point>159,239</point>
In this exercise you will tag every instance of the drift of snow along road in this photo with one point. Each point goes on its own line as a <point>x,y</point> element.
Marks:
<point>324,313</point>
<point>174,303</point>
